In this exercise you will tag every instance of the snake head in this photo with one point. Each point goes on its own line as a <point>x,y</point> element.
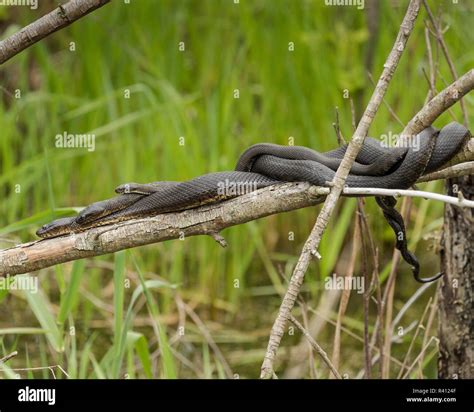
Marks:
<point>92,212</point>
<point>125,188</point>
<point>58,227</point>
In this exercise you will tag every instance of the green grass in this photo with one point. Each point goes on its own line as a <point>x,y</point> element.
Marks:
<point>117,315</point>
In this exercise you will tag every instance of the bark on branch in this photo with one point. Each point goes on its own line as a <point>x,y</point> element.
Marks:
<point>59,18</point>
<point>208,220</point>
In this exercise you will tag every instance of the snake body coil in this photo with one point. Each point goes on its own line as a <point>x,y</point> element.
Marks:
<point>266,164</point>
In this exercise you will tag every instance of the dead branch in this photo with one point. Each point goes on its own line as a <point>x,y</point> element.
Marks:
<point>208,220</point>
<point>312,243</point>
<point>59,18</point>
<point>438,105</point>
<point>316,347</point>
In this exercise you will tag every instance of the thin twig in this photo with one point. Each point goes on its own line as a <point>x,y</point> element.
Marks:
<point>8,357</point>
<point>353,115</point>
<point>413,298</point>
<point>345,295</point>
<point>299,352</point>
<point>316,347</point>
<point>456,201</point>
<point>207,335</point>
<point>337,129</point>
<point>387,105</point>
<point>365,297</point>
<point>304,314</point>
<point>40,368</point>
<point>430,321</point>
<point>420,355</point>
<point>432,77</point>
<point>351,334</point>
<point>374,284</point>
<point>412,342</point>
<point>432,92</point>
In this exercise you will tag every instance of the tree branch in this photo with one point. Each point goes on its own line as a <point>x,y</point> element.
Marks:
<point>59,18</point>
<point>366,191</point>
<point>438,105</point>
<point>208,220</point>
<point>461,169</point>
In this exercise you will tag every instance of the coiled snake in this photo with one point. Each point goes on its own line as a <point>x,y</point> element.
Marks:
<point>267,164</point>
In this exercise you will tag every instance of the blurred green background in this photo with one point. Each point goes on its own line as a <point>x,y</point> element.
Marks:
<point>190,308</point>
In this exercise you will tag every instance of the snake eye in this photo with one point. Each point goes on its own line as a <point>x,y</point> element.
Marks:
<point>47,228</point>
<point>42,230</point>
<point>55,228</point>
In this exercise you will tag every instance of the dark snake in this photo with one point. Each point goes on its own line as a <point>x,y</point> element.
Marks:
<point>267,164</point>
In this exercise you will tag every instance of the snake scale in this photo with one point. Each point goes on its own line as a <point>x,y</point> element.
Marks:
<point>266,164</point>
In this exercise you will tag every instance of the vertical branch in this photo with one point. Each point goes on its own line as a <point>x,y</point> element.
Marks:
<point>337,129</point>
<point>432,77</point>
<point>312,243</point>
<point>456,294</point>
<point>365,296</point>
<point>345,295</point>
<point>374,285</point>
